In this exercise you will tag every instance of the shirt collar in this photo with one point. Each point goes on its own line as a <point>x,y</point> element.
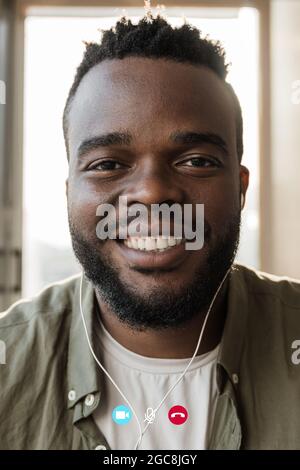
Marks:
<point>234,330</point>
<point>83,374</point>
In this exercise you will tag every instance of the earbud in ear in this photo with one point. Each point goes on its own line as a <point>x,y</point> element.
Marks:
<point>242,200</point>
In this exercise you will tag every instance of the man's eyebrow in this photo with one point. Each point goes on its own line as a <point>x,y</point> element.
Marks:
<point>186,138</point>
<point>177,137</point>
<point>104,140</point>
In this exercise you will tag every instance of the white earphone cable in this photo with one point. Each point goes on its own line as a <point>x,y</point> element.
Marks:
<point>142,432</point>
<point>98,362</point>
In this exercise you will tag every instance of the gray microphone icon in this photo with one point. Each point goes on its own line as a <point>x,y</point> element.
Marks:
<point>149,415</point>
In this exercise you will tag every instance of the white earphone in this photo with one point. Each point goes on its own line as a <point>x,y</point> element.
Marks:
<point>242,200</point>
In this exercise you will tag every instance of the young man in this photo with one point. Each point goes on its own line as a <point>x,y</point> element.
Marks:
<point>94,360</point>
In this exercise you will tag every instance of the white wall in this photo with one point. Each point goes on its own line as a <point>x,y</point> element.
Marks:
<point>285,138</point>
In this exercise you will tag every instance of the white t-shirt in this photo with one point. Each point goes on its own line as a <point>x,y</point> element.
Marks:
<point>144,381</point>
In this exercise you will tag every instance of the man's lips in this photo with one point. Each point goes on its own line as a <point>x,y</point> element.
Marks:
<point>166,253</point>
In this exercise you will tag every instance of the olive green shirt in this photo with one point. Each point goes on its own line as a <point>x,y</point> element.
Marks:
<point>51,385</point>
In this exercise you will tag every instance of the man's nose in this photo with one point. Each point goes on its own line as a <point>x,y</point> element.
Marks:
<point>155,185</point>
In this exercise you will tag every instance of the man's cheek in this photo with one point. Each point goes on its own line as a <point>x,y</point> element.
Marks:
<point>83,218</point>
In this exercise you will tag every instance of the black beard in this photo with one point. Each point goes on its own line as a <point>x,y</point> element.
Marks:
<point>158,309</point>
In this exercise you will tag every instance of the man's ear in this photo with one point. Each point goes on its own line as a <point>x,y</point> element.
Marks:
<point>244,179</point>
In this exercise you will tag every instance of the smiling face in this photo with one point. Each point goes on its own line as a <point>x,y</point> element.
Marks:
<point>154,131</point>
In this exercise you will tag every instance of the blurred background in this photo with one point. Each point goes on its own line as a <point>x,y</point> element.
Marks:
<point>41,44</point>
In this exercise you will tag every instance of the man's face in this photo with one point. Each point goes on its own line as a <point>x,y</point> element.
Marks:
<point>160,107</point>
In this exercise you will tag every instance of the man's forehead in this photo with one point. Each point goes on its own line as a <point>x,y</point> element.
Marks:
<point>140,94</point>
<point>151,74</point>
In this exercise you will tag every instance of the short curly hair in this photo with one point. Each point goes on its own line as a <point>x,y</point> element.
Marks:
<point>154,37</point>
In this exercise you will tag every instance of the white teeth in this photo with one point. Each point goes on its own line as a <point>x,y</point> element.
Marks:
<point>141,244</point>
<point>152,243</point>
<point>172,241</point>
<point>134,242</point>
<point>161,243</point>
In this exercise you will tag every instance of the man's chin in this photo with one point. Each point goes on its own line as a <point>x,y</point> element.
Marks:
<point>153,300</point>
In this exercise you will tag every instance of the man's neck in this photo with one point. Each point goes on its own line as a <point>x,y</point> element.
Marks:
<point>170,343</point>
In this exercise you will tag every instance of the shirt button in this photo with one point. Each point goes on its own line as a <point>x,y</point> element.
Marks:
<point>72,395</point>
<point>89,399</point>
<point>235,378</point>
<point>100,447</point>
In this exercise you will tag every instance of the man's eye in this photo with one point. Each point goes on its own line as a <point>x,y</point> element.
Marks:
<point>200,162</point>
<point>107,165</point>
